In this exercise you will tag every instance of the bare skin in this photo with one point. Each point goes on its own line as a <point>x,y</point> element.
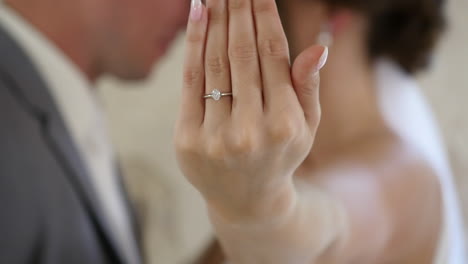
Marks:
<point>274,222</point>
<point>281,186</point>
<point>106,37</point>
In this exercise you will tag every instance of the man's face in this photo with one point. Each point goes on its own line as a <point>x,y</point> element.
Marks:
<point>135,34</point>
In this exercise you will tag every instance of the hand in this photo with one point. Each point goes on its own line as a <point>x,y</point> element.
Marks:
<point>241,152</point>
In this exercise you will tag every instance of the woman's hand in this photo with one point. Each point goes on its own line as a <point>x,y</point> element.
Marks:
<point>241,152</point>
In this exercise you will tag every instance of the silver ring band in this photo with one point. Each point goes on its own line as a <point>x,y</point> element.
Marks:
<point>216,95</point>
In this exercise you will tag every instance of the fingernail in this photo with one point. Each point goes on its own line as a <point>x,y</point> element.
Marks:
<point>196,10</point>
<point>323,59</point>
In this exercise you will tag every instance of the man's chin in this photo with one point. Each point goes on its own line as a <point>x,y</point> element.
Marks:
<point>136,73</point>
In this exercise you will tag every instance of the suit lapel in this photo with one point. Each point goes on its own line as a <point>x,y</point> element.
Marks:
<point>133,218</point>
<point>19,72</point>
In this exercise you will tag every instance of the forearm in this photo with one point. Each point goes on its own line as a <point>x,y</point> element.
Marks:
<point>301,235</point>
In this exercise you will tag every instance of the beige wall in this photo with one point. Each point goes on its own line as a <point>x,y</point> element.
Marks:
<point>447,89</point>
<point>142,120</point>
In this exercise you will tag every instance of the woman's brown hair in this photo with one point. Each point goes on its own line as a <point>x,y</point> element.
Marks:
<point>403,30</point>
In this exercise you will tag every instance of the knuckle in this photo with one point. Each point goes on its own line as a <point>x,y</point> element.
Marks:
<point>216,65</point>
<point>238,4</point>
<point>264,6</point>
<point>192,76</point>
<point>215,150</point>
<point>242,144</point>
<point>217,15</point>
<point>243,51</point>
<point>216,19</point>
<point>273,48</point>
<point>283,130</point>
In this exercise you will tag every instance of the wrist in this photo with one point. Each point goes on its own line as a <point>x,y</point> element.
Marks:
<point>269,209</point>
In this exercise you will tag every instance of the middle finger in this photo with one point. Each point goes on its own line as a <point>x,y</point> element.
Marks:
<point>218,74</point>
<point>243,59</point>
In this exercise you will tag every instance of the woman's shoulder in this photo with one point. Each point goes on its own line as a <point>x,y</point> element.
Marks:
<point>384,155</point>
<point>389,177</point>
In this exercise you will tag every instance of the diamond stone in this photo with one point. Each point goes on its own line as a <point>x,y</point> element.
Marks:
<point>216,94</point>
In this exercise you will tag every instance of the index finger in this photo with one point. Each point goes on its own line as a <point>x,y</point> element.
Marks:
<point>193,105</point>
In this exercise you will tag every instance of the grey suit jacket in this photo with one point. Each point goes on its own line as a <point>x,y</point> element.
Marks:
<point>48,211</point>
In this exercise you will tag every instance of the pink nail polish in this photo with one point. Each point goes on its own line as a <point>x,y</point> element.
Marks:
<point>323,59</point>
<point>196,10</point>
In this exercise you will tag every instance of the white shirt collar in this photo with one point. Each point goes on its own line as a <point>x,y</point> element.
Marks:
<point>77,102</point>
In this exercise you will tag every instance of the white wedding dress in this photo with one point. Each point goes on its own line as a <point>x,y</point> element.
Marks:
<point>407,112</point>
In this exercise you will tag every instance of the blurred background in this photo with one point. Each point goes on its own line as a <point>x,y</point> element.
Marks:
<point>142,117</point>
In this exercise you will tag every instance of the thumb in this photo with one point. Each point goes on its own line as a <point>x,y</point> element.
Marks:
<point>306,81</point>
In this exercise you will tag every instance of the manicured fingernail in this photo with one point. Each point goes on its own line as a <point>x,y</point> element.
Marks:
<point>323,59</point>
<point>196,10</point>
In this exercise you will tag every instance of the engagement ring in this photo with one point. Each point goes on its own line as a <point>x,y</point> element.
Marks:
<point>216,95</point>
